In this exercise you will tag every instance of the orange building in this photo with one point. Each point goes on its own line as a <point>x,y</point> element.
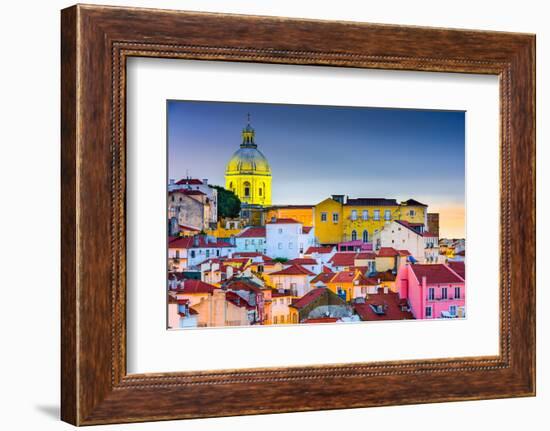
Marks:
<point>301,213</point>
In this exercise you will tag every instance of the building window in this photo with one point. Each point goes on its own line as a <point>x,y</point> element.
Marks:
<point>365,214</point>
<point>365,236</point>
<point>172,198</point>
<point>289,245</point>
<point>443,293</point>
<point>275,320</point>
<point>412,213</point>
<point>353,235</point>
<point>335,217</point>
<point>457,292</point>
<point>192,253</point>
<point>177,254</point>
<point>246,189</point>
<point>428,312</point>
<point>377,215</point>
<point>280,230</point>
<point>354,214</point>
<point>260,191</point>
<point>280,246</point>
<point>323,217</point>
<point>431,293</point>
<point>452,310</point>
<point>387,215</point>
<point>231,186</point>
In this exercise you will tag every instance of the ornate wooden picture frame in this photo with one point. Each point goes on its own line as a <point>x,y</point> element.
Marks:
<point>96,41</point>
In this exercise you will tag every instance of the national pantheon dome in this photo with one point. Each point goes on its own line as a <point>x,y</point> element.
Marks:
<point>247,173</point>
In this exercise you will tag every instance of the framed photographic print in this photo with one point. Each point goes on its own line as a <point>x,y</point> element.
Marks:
<point>260,205</point>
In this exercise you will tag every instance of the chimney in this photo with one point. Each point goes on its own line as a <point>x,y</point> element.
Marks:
<point>172,182</point>
<point>196,240</point>
<point>385,290</point>
<point>205,181</point>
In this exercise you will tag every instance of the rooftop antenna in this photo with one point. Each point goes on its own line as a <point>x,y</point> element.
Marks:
<point>248,118</point>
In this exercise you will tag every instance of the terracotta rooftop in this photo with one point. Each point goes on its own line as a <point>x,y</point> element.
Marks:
<point>188,242</point>
<point>322,320</point>
<point>188,192</point>
<point>252,232</point>
<point>387,252</point>
<point>238,300</point>
<point>309,297</point>
<point>189,181</point>
<point>459,268</point>
<point>348,277</point>
<point>343,259</point>
<point>284,221</point>
<point>323,277</point>
<point>195,286</point>
<point>320,250</point>
<point>382,306</point>
<point>301,261</point>
<point>435,273</point>
<point>306,229</point>
<point>293,270</point>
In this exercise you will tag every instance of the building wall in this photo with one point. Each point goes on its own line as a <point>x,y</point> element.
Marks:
<point>257,244</point>
<point>416,291</point>
<point>356,221</point>
<point>401,238</point>
<point>189,211</point>
<point>302,214</point>
<point>280,311</point>
<point>384,264</point>
<point>259,187</point>
<point>328,231</point>
<point>284,240</point>
<point>433,223</point>
<point>299,283</point>
<point>216,311</point>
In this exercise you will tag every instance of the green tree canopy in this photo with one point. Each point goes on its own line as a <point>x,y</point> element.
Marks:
<point>229,205</point>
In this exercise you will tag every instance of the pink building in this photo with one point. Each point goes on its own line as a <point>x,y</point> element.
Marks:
<point>433,291</point>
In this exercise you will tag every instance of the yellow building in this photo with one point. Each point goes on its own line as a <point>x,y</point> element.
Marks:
<point>301,213</point>
<point>248,173</point>
<point>327,217</point>
<point>347,284</point>
<point>339,220</point>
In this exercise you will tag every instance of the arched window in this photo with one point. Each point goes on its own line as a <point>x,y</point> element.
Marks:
<point>260,191</point>
<point>231,186</point>
<point>353,235</point>
<point>365,236</point>
<point>246,186</point>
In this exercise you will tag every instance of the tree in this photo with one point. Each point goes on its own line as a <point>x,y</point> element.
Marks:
<point>229,205</point>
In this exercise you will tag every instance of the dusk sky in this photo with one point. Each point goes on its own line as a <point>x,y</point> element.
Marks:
<point>316,151</point>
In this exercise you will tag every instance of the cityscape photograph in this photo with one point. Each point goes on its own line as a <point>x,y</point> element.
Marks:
<point>300,214</point>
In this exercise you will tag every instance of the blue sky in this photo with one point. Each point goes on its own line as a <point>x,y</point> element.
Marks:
<point>316,151</point>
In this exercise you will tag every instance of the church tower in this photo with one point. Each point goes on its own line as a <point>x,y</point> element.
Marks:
<point>248,173</point>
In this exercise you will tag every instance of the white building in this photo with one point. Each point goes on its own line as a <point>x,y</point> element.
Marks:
<point>321,254</point>
<point>251,239</point>
<point>188,252</point>
<point>400,235</point>
<point>287,238</point>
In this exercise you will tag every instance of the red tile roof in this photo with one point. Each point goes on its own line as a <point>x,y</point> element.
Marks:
<point>195,286</point>
<point>320,250</point>
<point>187,192</point>
<point>238,300</point>
<point>184,227</point>
<point>387,252</point>
<point>344,277</point>
<point>293,270</point>
<point>435,273</point>
<point>404,252</point>
<point>189,181</point>
<point>240,284</point>
<point>365,255</point>
<point>252,254</point>
<point>309,297</point>
<point>321,320</point>
<point>301,261</point>
<point>252,232</point>
<point>306,229</point>
<point>187,242</point>
<point>459,268</point>
<point>326,269</point>
<point>284,221</point>
<point>323,277</point>
<point>343,259</point>
<point>390,308</point>
<point>384,276</point>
